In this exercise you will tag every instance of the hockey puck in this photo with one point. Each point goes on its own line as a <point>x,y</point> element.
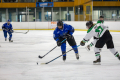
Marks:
<point>37,63</point>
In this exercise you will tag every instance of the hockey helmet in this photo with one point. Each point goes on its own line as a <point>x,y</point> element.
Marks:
<point>89,24</point>
<point>59,23</point>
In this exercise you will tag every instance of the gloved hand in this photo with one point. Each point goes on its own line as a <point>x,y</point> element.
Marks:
<point>59,43</point>
<point>82,43</point>
<point>3,29</point>
<point>68,36</point>
<point>88,47</point>
<point>11,31</point>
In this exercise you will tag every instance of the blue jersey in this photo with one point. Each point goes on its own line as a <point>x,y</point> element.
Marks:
<point>67,29</point>
<point>6,26</point>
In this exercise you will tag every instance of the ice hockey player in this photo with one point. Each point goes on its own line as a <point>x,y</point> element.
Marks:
<point>65,31</point>
<point>104,36</point>
<point>95,39</point>
<point>7,28</point>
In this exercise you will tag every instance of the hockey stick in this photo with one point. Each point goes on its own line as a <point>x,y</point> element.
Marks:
<point>50,50</point>
<point>59,56</point>
<point>22,32</point>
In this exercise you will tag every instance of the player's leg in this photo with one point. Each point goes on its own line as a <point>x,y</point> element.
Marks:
<point>110,46</point>
<point>10,37</point>
<point>72,43</point>
<point>5,34</point>
<point>99,45</point>
<point>63,49</point>
<point>98,56</point>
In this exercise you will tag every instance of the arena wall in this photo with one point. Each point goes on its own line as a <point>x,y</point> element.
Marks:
<point>51,25</point>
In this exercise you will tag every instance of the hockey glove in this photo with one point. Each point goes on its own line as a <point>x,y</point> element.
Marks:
<point>82,43</point>
<point>3,29</point>
<point>58,43</point>
<point>11,31</point>
<point>68,36</point>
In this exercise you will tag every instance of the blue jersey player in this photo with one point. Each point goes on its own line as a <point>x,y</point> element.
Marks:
<point>7,28</point>
<point>65,31</point>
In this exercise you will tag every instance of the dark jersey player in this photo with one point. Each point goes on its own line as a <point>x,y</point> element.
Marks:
<point>65,31</point>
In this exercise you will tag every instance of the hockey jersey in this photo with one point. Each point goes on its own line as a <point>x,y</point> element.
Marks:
<point>96,31</point>
<point>7,27</point>
<point>67,29</point>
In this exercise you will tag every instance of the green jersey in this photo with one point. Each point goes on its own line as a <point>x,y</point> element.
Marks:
<point>95,31</point>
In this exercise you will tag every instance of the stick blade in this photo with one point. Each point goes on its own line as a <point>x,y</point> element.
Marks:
<point>27,32</point>
<point>43,63</point>
<point>40,57</point>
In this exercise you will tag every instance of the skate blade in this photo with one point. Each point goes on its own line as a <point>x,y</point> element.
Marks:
<point>98,63</point>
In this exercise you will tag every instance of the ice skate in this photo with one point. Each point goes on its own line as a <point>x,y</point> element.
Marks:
<point>77,56</point>
<point>97,62</point>
<point>10,40</point>
<point>64,58</point>
<point>5,39</point>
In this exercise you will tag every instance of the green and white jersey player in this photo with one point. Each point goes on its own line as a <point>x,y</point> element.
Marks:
<point>100,22</point>
<point>103,35</point>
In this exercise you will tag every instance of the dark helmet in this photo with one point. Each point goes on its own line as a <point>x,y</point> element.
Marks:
<point>101,16</point>
<point>89,24</point>
<point>59,23</point>
<point>8,20</point>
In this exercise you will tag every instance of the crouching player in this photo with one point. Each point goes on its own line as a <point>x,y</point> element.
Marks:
<point>65,31</point>
<point>7,28</point>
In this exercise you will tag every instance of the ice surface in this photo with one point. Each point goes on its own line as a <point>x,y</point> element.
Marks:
<point>18,59</point>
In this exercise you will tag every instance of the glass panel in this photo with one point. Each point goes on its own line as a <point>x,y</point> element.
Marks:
<point>8,1</point>
<point>76,10</point>
<point>22,15</point>
<point>56,14</point>
<point>71,0</point>
<point>87,9</point>
<point>43,0</point>
<point>27,0</point>
<point>70,14</point>
<point>110,14</point>
<point>38,14</point>
<point>31,14</point>
<point>96,14</point>
<point>80,9</point>
<point>110,0</point>
<point>3,15</point>
<point>47,14</point>
<point>59,0</point>
<point>12,14</point>
<point>97,0</point>
<point>63,13</point>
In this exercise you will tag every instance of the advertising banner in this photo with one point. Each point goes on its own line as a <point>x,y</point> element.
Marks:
<point>44,4</point>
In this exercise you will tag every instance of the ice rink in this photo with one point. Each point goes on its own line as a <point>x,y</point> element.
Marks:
<point>18,59</point>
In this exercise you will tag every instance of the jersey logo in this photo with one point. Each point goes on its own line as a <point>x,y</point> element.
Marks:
<point>58,32</point>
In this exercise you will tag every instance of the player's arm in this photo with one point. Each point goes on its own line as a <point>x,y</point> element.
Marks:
<point>92,43</point>
<point>3,27</point>
<point>71,30</point>
<point>56,37</point>
<point>88,37</point>
<point>11,28</point>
